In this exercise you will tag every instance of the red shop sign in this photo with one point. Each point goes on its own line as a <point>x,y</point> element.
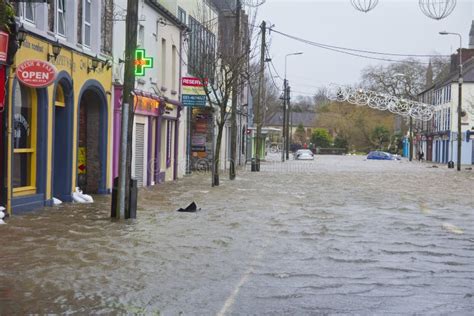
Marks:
<point>36,73</point>
<point>3,46</point>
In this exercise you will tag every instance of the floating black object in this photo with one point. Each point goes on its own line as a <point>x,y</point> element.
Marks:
<point>190,209</point>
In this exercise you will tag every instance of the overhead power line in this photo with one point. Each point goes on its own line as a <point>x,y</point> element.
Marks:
<point>350,51</point>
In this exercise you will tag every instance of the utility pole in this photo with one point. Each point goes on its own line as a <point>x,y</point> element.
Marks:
<point>288,112</point>
<point>410,136</point>
<point>460,81</point>
<point>259,96</point>
<point>125,164</point>
<point>235,92</point>
<point>283,134</point>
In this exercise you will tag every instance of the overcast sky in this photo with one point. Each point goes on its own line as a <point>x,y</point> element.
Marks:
<point>394,26</point>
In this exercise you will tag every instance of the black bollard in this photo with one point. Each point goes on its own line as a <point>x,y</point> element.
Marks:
<point>254,164</point>
<point>113,210</point>
<point>451,164</point>
<point>132,206</point>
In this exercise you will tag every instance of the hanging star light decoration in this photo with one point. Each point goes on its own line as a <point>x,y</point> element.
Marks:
<point>437,9</point>
<point>364,5</point>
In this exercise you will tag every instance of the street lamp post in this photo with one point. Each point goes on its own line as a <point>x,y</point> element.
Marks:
<point>460,80</point>
<point>287,109</point>
<point>410,125</point>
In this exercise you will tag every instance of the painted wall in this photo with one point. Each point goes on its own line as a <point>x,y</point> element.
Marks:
<point>161,39</point>
<point>75,64</point>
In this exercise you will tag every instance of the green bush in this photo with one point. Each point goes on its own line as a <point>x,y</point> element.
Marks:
<point>321,138</point>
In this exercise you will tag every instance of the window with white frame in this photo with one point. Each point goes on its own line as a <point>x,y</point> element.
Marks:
<point>28,12</point>
<point>61,17</point>
<point>141,36</point>
<point>87,23</point>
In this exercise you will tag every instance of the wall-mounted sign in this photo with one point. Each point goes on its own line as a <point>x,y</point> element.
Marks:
<point>193,92</point>
<point>36,73</point>
<point>145,105</point>
<point>142,62</point>
<point>3,46</point>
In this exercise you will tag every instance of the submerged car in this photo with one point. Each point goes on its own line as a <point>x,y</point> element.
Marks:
<point>380,155</point>
<point>304,154</point>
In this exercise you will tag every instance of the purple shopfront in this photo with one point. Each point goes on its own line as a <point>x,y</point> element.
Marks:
<point>155,137</point>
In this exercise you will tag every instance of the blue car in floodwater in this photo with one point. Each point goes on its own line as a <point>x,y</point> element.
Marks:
<point>380,155</point>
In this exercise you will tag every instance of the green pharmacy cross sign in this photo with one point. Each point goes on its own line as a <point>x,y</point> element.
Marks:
<point>142,62</point>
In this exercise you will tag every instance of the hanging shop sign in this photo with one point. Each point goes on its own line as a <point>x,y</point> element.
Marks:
<point>146,105</point>
<point>193,92</point>
<point>36,73</point>
<point>3,46</point>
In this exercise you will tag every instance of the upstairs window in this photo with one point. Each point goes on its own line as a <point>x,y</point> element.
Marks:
<point>181,15</point>
<point>24,10</point>
<point>141,36</point>
<point>87,22</point>
<point>29,12</point>
<point>106,30</point>
<point>61,18</point>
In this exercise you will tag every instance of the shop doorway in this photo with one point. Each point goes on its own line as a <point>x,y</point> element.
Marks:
<point>62,150</point>
<point>92,142</point>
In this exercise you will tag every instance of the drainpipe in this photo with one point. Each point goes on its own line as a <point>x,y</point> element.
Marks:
<point>176,145</point>
<point>158,142</point>
<point>188,109</point>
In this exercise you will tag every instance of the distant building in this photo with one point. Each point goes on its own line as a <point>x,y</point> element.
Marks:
<point>437,138</point>
<point>307,119</point>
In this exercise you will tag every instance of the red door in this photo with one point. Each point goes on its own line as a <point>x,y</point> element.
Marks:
<point>429,150</point>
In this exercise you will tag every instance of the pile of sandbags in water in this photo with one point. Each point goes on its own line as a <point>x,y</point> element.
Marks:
<point>2,215</point>
<point>79,197</point>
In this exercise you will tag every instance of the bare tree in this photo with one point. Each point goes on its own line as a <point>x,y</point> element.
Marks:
<point>404,79</point>
<point>222,73</point>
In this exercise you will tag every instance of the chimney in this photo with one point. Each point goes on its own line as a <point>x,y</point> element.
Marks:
<point>471,36</point>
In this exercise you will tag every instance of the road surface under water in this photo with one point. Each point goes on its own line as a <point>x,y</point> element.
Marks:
<point>334,235</point>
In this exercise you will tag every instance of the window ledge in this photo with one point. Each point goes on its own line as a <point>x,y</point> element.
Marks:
<point>24,191</point>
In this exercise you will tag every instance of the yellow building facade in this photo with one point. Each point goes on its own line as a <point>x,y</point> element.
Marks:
<point>59,136</point>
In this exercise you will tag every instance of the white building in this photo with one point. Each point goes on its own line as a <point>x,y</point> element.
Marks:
<point>158,129</point>
<point>437,138</point>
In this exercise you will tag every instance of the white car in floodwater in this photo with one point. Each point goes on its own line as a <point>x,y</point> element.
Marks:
<point>304,154</point>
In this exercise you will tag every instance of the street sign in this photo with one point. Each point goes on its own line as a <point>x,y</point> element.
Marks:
<point>193,92</point>
<point>142,62</point>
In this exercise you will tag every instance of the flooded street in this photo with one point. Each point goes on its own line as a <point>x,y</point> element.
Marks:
<point>334,235</point>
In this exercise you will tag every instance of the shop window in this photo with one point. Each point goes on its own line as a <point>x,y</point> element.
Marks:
<point>60,101</point>
<point>24,141</point>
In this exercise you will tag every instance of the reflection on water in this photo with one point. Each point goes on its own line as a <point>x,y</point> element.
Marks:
<point>337,235</point>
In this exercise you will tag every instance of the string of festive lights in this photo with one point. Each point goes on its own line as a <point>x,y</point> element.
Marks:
<point>380,101</point>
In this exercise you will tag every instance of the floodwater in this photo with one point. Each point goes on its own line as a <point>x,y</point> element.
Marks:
<point>334,235</point>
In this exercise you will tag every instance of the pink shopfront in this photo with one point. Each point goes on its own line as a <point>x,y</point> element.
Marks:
<point>155,137</point>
